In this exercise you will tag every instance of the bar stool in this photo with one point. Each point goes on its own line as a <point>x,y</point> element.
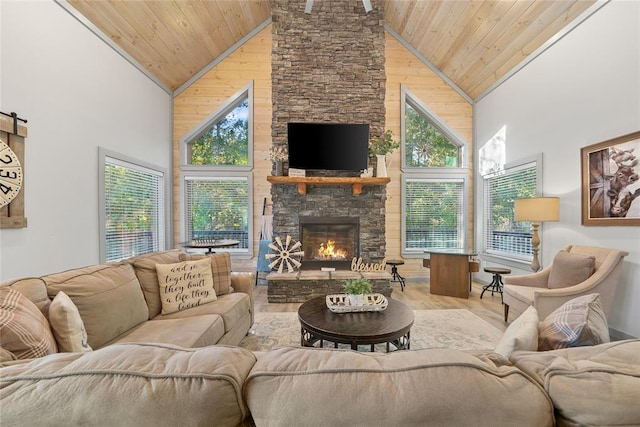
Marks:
<point>496,284</point>
<point>395,276</point>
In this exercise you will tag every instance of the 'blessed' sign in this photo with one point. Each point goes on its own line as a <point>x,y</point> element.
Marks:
<point>358,265</point>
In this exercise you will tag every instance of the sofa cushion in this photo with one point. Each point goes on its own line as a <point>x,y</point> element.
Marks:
<point>67,325</point>
<point>35,289</point>
<point>24,330</point>
<point>195,331</point>
<point>185,285</point>
<point>145,268</point>
<point>522,334</point>
<point>108,298</point>
<point>578,322</point>
<point>589,386</point>
<point>129,384</point>
<point>231,307</point>
<point>220,268</point>
<point>569,269</point>
<point>438,387</point>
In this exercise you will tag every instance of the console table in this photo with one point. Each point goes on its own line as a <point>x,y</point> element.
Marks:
<point>451,272</point>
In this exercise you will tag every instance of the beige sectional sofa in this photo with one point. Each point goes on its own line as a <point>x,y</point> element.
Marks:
<point>185,369</point>
<point>120,302</point>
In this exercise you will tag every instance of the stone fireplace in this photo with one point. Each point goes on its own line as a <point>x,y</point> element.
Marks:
<point>329,241</point>
<point>333,203</point>
<point>328,209</point>
<point>327,67</point>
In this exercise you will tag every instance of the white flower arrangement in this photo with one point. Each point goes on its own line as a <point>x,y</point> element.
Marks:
<point>278,153</point>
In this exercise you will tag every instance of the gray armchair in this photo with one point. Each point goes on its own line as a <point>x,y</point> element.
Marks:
<point>521,292</point>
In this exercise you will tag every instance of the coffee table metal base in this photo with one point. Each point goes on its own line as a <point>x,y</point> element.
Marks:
<point>307,339</point>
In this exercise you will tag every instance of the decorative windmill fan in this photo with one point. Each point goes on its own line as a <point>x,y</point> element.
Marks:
<point>284,255</point>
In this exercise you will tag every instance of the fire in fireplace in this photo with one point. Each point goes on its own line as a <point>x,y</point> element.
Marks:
<point>329,241</point>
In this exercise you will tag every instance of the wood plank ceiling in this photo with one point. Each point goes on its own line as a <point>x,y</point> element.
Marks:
<point>474,43</point>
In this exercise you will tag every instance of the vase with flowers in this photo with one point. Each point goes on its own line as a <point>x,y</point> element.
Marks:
<point>380,147</point>
<point>278,154</point>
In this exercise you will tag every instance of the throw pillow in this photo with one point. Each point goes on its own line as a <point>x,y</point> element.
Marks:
<point>220,268</point>
<point>185,284</point>
<point>6,356</point>
<point>578,322</point>
<point>67,325</point>
<point>522,334</point>
<point>569,269</point>
<point>24,330</point>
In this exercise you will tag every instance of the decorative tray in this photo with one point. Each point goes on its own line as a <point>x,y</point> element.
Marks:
<point>340,303</point>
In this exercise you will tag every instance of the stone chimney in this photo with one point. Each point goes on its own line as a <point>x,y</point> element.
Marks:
<point>328,66</point>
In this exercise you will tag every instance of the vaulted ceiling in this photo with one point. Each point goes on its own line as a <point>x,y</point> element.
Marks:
<point>473,43</point>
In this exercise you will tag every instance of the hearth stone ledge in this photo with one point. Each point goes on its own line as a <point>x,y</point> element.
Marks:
<point>314,283</point>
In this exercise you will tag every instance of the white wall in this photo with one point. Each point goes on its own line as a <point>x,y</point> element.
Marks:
<point>77,94</point>
<point>583,90</point>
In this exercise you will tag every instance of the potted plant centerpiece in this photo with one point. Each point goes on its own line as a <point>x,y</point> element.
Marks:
<point>356,289</point>
<point>380,147</point>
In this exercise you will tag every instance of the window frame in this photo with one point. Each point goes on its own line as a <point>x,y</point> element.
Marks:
<point>211,176</point>
<point>189,171</point>
<point>434,174</point>
<point>407,97</point>
<point>449,177</point>
<point>203,127</point>
<point>164,228</point>
<point>515,260</point>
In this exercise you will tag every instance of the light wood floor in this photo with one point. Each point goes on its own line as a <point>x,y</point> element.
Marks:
<point>417,296</point>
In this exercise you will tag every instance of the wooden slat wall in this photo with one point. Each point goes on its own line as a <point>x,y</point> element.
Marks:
<point>403,68</point>
<point>253,62</point>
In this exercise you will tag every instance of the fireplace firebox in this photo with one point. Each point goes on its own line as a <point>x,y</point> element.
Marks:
<point>330,242</point>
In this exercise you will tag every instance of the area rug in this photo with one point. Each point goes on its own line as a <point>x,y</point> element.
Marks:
<point>456,329</point>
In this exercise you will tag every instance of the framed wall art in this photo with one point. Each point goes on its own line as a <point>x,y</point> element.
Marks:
<point>611,181</point>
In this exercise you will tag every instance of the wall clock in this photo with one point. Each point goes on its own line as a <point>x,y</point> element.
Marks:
<point>10,174</point>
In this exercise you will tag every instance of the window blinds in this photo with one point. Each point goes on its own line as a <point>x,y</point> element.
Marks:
<point>217,208</point>
<point>434,213</point>
<point>134,209</point>
<point>502,234</point>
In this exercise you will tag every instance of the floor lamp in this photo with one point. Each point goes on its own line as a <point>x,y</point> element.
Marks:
<point>536,210</point>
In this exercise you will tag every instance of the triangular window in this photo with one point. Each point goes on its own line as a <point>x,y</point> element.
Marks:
<point>426,144</point>
<point>224,140</point>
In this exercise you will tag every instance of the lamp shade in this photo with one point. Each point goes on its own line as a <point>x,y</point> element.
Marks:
<point>537,209</point>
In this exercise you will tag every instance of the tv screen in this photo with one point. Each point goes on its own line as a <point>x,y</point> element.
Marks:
<point>327,146</point>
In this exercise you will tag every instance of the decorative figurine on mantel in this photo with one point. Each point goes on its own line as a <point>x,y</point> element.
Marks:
<point>278,154</point>
<point>380,147</point>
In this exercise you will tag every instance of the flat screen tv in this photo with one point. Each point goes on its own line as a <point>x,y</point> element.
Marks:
<point>328,146</point>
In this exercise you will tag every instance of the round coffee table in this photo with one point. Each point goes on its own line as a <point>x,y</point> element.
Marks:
<point>390,326</point>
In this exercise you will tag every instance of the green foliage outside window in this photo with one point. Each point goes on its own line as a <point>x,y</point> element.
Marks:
<point>433,205</point>
<point>505,190</point>
<point>226,143</point>
<point>425,146</point>
<point>219,205</point>
<point>130,207</point>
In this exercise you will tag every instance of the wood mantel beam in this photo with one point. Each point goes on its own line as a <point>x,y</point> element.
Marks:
<point>356,183</point>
